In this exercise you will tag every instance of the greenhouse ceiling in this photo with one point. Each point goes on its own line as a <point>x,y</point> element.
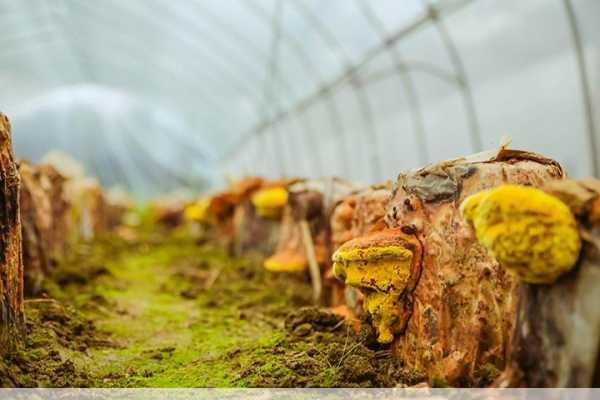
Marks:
<point>158,95</point>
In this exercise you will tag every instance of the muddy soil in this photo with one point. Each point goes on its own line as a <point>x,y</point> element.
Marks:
<point>160,310</point>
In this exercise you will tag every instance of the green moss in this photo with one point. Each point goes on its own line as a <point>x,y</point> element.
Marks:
<point>174,311</point>
<point>167,312</point>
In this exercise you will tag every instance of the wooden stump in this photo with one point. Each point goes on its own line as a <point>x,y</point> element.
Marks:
<point>45,218</point>
<point>253,233</point>
<point>36,218</point>
<point>359,213</point>
<point>11,263</point>
<point>463,306</point>
<point>432,290</point>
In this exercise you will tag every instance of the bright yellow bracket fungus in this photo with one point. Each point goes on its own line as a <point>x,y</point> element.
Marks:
<point>381,266</point>
<point>269,202</point>
<point>378,268</point>
<point>532,234</point>
<point>286,262</point>
<point>199,211</point>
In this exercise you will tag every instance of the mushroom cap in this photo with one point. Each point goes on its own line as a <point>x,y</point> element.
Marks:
<point>286,261</point>
<point>270,201</point>
<point>199,211</point>
<point>382,265</point>
<point>532,234</point>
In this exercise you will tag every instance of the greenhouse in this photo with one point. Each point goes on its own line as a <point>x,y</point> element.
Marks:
<point>300,194</point>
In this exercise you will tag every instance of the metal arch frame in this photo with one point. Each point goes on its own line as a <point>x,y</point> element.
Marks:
<point>186,181</point>
<point>241,90</point>
<point>415,66</point>
<point>331,42</point>
<point>244,44</point>
<point>131,48</point>
<point>146,17</point>
<point>296,111</point>
<point>257,69</point>
<point>224,47</point>
<point>461,74</point>
<point>346,75</point>
<point>310,69</point>
<point>169,72</point>
<point>48,14</point>
<point>77,61</point>
<point>584,83</point>
<point>116,169</point>
<point>138,15</point>
<point>334,46</point>
<point>407,82</point>
<point>116,172</point>
<point>367,113</point>
<point>270,86</point>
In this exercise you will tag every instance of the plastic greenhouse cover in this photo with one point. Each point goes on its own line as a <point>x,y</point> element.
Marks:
<point>156,95</point>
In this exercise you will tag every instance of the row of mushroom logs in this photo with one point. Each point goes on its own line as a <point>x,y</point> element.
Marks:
<point>44,208</point>
<point>452,291</point>
<point>453,294</point>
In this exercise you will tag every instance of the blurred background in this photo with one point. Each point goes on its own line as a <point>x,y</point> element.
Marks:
<point>156,95</point>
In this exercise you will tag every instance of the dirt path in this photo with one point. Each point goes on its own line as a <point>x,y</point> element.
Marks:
<point>162,311</point>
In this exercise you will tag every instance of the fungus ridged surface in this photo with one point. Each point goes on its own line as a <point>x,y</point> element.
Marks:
<point>384,265</point>
<point>531,233</point>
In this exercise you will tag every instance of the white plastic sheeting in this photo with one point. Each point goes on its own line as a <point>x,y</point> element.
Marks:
<point>159,94</point>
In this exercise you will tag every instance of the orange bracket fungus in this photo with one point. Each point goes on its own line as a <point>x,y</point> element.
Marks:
<point>385,266</point>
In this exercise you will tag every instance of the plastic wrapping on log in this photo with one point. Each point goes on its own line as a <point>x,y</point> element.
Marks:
<point>11,263</point>
<point>556,339</point>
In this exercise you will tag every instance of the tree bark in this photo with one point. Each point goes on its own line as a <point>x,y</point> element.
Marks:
<point>36,221</point>
<point>253,233</point>
<point>11,263</point>
<point>45,218</point>
<point>359,213</point>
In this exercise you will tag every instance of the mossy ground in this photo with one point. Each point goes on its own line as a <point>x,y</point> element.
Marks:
<point>158,309</point>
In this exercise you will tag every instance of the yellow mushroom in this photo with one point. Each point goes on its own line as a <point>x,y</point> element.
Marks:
<point>382,265</point>
<point>286,261</point>
<point>199,211</point>
<point>269,202</point>
<point>532,234</point>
